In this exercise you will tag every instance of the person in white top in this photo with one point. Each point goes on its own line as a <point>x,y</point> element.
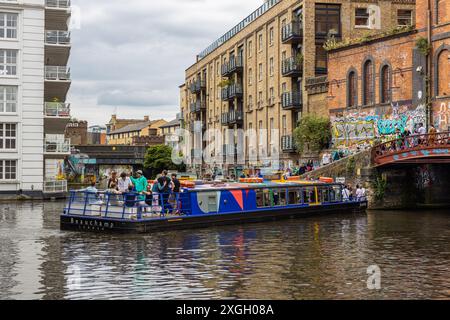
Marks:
<point>123,183</point>
<point>345,194</point>
<point>360,193</point>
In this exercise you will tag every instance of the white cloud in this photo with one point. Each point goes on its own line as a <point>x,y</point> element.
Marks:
<point>130,56</point>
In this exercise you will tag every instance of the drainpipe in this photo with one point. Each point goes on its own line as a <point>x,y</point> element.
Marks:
<point>429,88</point>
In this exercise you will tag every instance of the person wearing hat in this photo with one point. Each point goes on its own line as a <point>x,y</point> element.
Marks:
<point>140,182</point>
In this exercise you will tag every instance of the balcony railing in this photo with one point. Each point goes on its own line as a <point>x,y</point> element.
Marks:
<point>224,118</point>
<point>57,186</point>
<point>57,109</point>
<point>231,92</point>
<point>59,4</point>
<point>55,146</point>
<point>197,86</point>
<point>198,106</point>
<point>57,37</point>
<point>235,116</point>
<point>292,100</point>
<point>57,73</point>
<point>236,64</point>
<point>292,33</point>
<point>287,143</point>
<point>292,67</point>
<point>224,94</point>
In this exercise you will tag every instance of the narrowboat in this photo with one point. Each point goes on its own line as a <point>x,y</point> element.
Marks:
<point>205,205</point>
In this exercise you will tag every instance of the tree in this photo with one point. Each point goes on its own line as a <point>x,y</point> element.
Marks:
<point>159,158</point>
<point>314,132</point>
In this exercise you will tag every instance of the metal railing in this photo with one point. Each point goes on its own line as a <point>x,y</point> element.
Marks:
<point>57,37</point>
<point>197,86</point>
<point>292,31</point>
<point>235,116</point>
<point>59,4</point>
<point>56,186</point>
<point>287,143</point>
<point>57,109</point>
<point>292,66</point>
<point>57,146</point>
<point>57,73</point>
<point>411,143</point>
<point>234,65</point>
<point>235,91</point>
<point>291,100</point>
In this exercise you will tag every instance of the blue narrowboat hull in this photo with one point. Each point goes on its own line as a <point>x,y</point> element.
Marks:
<point>108,225</point>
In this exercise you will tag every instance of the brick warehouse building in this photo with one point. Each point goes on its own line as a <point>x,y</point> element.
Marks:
<point>381,84</point>
<point>255,76</point>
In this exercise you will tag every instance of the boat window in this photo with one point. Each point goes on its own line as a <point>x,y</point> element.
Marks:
<point>212,203</point>
<point>324,195</point>
<point>267,198</point>
<point>279,197</point>
<point>294,197</point>
<point>309,195</point>
<point>259,198</point>
<point>335,194</point>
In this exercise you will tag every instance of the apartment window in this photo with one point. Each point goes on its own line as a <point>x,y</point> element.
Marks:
<point>250,49</point>
<point>8,99</point>
<point>271,66</point>
<point>250,76</point>
<point>8,169</point>
<point>250,102</point>
<point>284,125</point>
<point>385,80</point>
<point>368,83</point>
<point>404,17</point>
<point>261,133</point>
<point>443,76</point>
<point>361,17</point>
<point>260,73</point>
<point>260,98</point>
<point>260,42</point>
<point>272,94</point>
<point>8,62</point>
<point>8,136</point>
<point>352,98</point>
<point>328,17</point>
<point>8,25</point>
<point>321,59</point>
<point>283,87</point>
<point>271,36</point>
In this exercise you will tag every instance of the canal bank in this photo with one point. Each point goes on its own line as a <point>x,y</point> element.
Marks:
<point>324,257</point>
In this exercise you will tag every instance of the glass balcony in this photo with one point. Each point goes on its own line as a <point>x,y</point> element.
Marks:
<point>57,109</point>
<point>57,146</point>
<point>58,4</point>
<point>57,73</point>
<point>57,37</point>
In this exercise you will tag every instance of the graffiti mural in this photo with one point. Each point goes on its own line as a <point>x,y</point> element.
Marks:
<point>441,116</point>
<point>360,129</point>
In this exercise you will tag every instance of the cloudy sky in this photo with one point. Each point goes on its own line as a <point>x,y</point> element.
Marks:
<point>129,56</point>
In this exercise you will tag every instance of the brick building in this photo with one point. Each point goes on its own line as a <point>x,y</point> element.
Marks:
<point>254,77</point>
<point>77,132</point>
<point>379,85</point>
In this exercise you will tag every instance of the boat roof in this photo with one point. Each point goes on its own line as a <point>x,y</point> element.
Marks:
<point>268,184</point>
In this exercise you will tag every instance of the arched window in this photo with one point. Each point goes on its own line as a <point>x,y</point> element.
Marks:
<point>352,96</point>
<point>368,83</point>
<point>385,84</point>
<point>443,84</point>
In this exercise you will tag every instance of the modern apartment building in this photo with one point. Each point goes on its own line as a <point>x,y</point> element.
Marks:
<point>253,78</point>
<point>34,81</point>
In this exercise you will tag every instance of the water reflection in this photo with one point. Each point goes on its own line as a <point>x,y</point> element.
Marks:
<point>314,258</point>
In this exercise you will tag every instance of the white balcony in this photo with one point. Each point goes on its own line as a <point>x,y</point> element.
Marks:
<point>57,73</point>
<point>57,4</point>
<point>57,37</point>
<point>57,146</point>
<point>56,186</point>
<point>57,110</point>
<point>57,82</point>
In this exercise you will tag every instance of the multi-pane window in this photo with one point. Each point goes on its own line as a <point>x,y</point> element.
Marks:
<point>8,99</point>
<point>404,17</point>
<point>271,36</point>
<point>8,169</point>
<point>260,42</point>
<point>328,18</point>
<point>321,59</point>
<point>361,17</point>
<point>368,83</point>
<point>8,136</point>
<point>385,79</point>
<point>271,66</point>
<point>250,76</point>
<point>8,62</point>
<point>260,73</point>
<point>284,125</point>
<point>352,96</point>
<point>8,25</point>
<point>250,102</point>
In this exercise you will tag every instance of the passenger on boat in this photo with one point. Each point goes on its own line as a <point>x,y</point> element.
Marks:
<point>113,179</point>
<point>91,193</point>
<point>164,190</point>
<point>176,188</point>
<point>140,184</point>
<point>345,194</point>
<point>113,193</point>
<point>360,193</point>
<point>130,197</point>
<point>123,182</point>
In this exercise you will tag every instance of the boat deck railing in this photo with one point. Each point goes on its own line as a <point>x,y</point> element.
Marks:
<point>127,206</point>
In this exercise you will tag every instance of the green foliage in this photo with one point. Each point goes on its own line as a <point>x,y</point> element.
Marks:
<point>379,186</point>
<point>332,43</point>
<point>299,59</point>
<point>159,158</point>
<point>423,46</point>
<point>312,131</point>
<point>225,83</point>
<point>351,165</point>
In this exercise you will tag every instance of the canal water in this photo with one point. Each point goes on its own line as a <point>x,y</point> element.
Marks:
<point>324,257</point>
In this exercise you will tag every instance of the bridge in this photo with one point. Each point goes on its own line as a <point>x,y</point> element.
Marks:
<point>415,149</point>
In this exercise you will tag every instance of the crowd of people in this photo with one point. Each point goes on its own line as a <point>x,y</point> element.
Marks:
<point>349,194</point>
<point>135,190</point>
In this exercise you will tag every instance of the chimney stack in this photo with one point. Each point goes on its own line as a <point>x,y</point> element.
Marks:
<point>146,118</point>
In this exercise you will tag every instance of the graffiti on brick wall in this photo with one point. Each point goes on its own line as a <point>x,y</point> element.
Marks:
<point>359,129</point>
<point>441,116</point>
